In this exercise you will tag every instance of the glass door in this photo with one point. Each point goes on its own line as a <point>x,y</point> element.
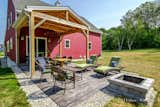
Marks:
<point>41,48</point>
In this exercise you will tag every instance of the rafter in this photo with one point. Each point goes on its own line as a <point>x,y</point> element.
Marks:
<point>40,23</point>
<point>59,20</point>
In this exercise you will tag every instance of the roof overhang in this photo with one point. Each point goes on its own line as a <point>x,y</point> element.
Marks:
<point>23,16</point>
<point>20,20</point>
<point>33,8</point>
<point>49,22</point>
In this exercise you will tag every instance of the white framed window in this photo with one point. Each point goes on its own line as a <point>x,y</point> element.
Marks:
<point>11,43</point>
<point>90,45</point>
<point>8,46</point>
<point>11,18</point>
<point>8,23</point>
<point>67,43</point>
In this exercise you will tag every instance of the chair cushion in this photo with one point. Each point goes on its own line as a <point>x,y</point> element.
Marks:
<point>103,69</point>
<point>83,65</point>
<point>46,71</point>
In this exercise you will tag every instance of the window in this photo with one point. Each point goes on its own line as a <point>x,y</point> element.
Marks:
<point>7,46</point>
<point>8,23</point>
<point>10,18</point>
<point>67,43</point>
<point>90,45</point>
<point>11,43</point>
<point>17,15</point>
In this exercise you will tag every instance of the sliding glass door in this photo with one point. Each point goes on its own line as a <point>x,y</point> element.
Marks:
<point>40,47</point>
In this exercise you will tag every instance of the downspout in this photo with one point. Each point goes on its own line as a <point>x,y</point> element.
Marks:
<point>29,20</point>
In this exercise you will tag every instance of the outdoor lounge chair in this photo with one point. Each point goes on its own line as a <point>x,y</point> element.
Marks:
<point>62,76</point>
<point>93,59</point>
<point>113,67</point>
<point>43,65</point>
<point>91,64</point>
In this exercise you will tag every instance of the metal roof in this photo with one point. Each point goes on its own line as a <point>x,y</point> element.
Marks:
<point>21,4</point>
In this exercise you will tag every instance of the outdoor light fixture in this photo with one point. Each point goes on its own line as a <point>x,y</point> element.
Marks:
<point>22,37</point>
<point>49,40</point>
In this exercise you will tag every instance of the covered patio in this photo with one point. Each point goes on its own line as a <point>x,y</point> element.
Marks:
<point>60,20</point>
<point>91,91</point>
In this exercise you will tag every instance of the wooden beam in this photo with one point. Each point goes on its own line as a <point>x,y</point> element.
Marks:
<point>59,20</point>
<point>32,44</point>
<point>50,28</point>
<point>60,26</point>
<point>17,45</point>
<point>56,26</point>
<point>39,24</point>
<point>67,15</point>
<point>60,46</point>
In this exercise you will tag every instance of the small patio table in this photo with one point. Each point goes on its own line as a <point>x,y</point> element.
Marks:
<point>74,70</point>
<point>61,61</point>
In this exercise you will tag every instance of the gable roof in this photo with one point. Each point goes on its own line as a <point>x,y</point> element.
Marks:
<point>21,4</point>
<point>92,27</point>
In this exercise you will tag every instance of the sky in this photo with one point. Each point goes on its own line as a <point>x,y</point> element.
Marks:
<point>102,13</point>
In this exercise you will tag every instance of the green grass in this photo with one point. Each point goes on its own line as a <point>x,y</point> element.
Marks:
<point>10,93</point>
<point>144,62</point>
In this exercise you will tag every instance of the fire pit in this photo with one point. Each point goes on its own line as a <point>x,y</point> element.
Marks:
<point>131,86</point>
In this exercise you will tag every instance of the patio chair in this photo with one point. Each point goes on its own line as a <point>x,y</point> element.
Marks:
<point>64,57</point>
<point>44,66</point>
<point>93,59</point>
<point>113,67</point>
<point>70,59</point>
<point>62,76</point>
<point>90,65</point>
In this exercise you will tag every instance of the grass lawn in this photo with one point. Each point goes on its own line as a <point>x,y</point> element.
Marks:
<point>144,62</point>
<point>10,93</point>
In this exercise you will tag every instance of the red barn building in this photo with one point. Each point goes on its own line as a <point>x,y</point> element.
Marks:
<point>35,28</point>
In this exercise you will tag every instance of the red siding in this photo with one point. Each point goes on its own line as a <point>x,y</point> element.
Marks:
<point>10,33</point>
<point>95,39</point>
<point>78,41</point>
<point>53,45</point>
<point>78,44</point>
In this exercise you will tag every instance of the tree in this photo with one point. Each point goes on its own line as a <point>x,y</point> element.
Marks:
<point>104,38</point>
<point>139,28</point>
<point>119,36</point>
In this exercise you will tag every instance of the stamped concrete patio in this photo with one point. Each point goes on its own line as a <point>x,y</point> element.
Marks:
<point>91,91</point>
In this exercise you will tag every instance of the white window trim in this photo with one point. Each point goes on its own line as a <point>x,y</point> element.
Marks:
<point>89,46</point>
<point>8,22</point>
<point>8,46</point>
<point>11,21</point>
<point>69,43</point>
<point>11,44</point>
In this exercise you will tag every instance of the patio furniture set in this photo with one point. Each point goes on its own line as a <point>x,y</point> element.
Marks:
<point>64,71</point>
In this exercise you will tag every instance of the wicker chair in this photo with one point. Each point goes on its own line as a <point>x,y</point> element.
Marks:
<point>60,75</point>
<point>44,66</point>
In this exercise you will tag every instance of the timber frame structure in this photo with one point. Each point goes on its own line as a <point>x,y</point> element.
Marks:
<point>61,20</point>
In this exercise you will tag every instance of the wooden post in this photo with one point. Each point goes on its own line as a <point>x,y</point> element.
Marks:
<point>32,44</point>
<point>60,46</point>
<point>86,33</point>
<point>17,46</point>
<point>87,47</point>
